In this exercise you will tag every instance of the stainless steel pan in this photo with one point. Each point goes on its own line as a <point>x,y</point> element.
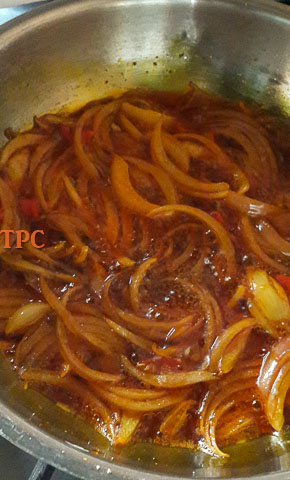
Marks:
<point>69,52</point>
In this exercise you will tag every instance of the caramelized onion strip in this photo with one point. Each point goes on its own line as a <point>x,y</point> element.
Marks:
<point>26,316</point>
<point>274,382</point>
<point>161,177</point>
<point>150,328</point>
<point>136,393</point>
<point>175,420</point>
<point>85,158</point>
<point>130,128</point>
<point>19,142</point>
<point>144,116</point>
<point>147,405</point>
<point>221,397</point>
<point>249,235</point>
<point>172,380</point>
<point>136,281</point>
<point>240,179</point>
<point>77,365</point>
<point>271,240</point>
<point>24,266</point>
<point>43,150</point>
<point>226,350</point>
<point>130,337</point>
<point>124,190</point>
<point>159,156</point>
<point>250,206</point>
<point>113,225</point>
<point>220,232</point>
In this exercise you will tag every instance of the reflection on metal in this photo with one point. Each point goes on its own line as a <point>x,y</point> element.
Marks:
<point>8,13</point>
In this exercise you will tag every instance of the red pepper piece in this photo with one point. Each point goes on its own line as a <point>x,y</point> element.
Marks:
<point>178,128</point>
<point>284,281</point>
<point>217,216</point>
<point>210,136</point>
<point>162,364</point>
<point>65,132</point>
<point>29,207</point>
<point>87,135</point>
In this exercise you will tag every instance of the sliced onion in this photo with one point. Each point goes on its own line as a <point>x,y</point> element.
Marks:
<point>17,166</point>
<point>229,345</point>
<point>146,117</point>
<point>128,425</point>
<point>113,225</point>
<point>136,393</point>
<point>94,329</point>
<point>161,177</point>
<point>24,266</point>
<point>77,365</point>
<point>250,206</point>
<point>239,178</point>
<point>127,229</point>
<point>19,142</point>
<point>148,405</point>
<point>35,344</point>
<point>85,158</point>
<point>124,190</point>
<point>268,303</point>
<point>222,235</point>
<point>274,381</point>
<point>178,151</point>
<point>271,240</point>
<point>250,238</point>
<point>221,397</point>
<point>102,124</point>
<point>171,380</point>
<point>159,156</point>
<point>136,281</point>
<point>90,327</point>
<point>158,330</point>
<point>40,153</point>
<point>26,316</point>
<point>175,420</point>
<point>130,337</point>
<point>130,128</point>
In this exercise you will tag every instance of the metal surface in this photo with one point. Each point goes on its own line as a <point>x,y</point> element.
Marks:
<point>70,52</point>
<point>9,13</point>
<point>17,3</point>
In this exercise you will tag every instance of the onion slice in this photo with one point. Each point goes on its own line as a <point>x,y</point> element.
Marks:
<point>148,405</point>
<point>229,345</point>
<point>159,156</point>
<point>220,232</point>
<point>26,316</point>
<point>124,190</point>
<point>172,380</point>
<point>268,301</point>
<point>274,381</point>
<point>19,142</point>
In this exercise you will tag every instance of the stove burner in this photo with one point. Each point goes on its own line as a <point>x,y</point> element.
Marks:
<point>42,471</point>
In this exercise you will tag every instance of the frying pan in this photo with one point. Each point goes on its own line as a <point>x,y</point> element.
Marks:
<point>69,52</point>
